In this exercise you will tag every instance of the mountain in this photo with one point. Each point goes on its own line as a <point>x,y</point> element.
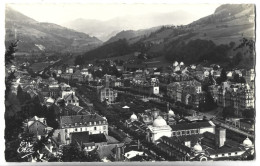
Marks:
<point>133,36</point>
<point>104,30</point>
<point>36,36</point>
<point>213,38</point>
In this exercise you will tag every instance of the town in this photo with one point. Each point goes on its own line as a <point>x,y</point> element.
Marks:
<point>130,83</point>
<point>110,111</point>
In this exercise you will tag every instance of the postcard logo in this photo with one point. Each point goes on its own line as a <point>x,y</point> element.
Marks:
<point>26,149</point>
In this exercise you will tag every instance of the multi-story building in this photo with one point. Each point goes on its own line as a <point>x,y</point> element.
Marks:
<point>92,123</point>
<point>240,97</point>
<point>188,92</point>
<point>107,94</point>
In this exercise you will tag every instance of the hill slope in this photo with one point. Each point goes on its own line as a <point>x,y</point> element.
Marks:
<point>212,38</point>
<point>36,36</point>
<point>133,36</point>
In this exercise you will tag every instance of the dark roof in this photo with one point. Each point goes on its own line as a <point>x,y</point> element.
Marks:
<point>192,138</point>
<point>176,144</point>
<point>84,137</point>
<point>80,119</point>
<point>107,150</point>
<point>74,108</point>
<point>71,97</point>
<point>137,123</point>
<point>209,142</point>
<point>188,126</point>
<point>80,137</point>
<point>97,138</point>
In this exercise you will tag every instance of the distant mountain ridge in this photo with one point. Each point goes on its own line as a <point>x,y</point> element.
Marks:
<point>133,36</point>
<point>104,30</point>
<point>220,32</point>
<point>36,36</point>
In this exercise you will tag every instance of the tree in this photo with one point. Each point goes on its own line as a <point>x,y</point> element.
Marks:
<point>249,113</point>
<point>9,54</point>
<point>9,57</point>
<point>228,112</point>
<point>74,152</point>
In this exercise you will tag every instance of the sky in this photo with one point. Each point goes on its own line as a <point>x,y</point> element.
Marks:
<point>61,13</point>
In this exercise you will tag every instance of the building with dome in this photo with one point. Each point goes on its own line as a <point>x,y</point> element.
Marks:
<point>205,147</point>
<point>158,130</point>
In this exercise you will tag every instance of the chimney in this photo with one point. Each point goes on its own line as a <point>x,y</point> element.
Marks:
<point>138,144</point>
<point>118,153</point>
<point>220,137</point>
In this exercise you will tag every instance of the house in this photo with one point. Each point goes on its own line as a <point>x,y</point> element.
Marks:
<point>66,76</point>
<point>70,70</point>
<point>77,76</point>
<point>36,126</point>
<point>85,72</point>
<point>71,99</point>
<point>206,73</point>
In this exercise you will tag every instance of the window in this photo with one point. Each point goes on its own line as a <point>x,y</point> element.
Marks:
<point>76,129</point>
<point>99,122</point>
<point>90,123</point>
<point>173,133</point>
<point>229,154</point>
<point>104,127</point>
<point>66,130</point>
<point>95,123</point>
<point>95,128</point>
<point>223,154</point>
<point>76,124</point>
<point>235,152</point>
<point>80,129</point>
<point>104,122</point>
<point>216,155</point>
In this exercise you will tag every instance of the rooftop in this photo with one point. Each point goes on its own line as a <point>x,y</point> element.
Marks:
<point>195,125</point>
<point>80,119</point>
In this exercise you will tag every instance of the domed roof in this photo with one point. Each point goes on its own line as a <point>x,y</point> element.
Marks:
<point>159,121</point>
<point>197,147</point>
<point>133,117</point>
<point>171,112</point>
<point>247,142</point>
